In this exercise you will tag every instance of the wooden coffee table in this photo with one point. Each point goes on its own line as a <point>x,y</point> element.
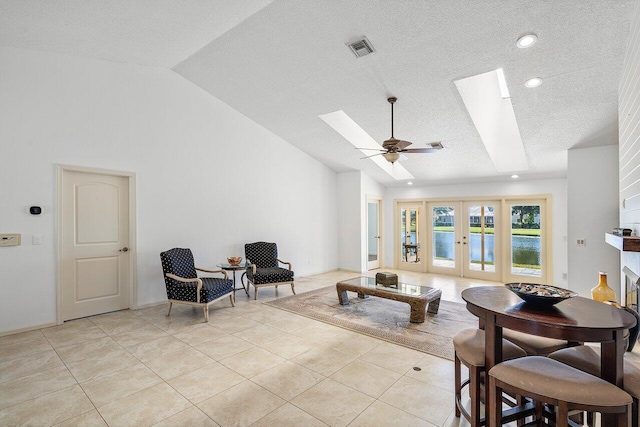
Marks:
<point>416,296</point>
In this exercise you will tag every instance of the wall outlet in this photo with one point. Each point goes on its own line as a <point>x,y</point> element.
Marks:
<point>37,239</point>
<point>581,242</point>
<point>9,239</point>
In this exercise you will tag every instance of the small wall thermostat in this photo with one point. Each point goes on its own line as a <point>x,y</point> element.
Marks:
<point>35,210</point>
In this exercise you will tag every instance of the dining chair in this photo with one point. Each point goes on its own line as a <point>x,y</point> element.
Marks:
<point>185,287</point>
<point>562,387</point>
<point>264,269</point>
<point>468,345</point>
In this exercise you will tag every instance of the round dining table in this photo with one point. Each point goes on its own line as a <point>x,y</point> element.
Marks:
<point>575,319</point>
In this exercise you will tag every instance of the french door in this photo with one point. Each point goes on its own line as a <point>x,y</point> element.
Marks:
<point>481,245</point>
<point>410,246</point>
<point>445,255</point>
<point>373,233</point>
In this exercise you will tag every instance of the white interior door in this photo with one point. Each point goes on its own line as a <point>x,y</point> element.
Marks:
<point>95,244</point>
<point>373,234</point>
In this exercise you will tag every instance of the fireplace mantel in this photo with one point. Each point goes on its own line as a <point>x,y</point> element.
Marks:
<point>623,243</point>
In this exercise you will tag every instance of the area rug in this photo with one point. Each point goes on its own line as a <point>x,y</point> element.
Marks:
<point>384,319</point>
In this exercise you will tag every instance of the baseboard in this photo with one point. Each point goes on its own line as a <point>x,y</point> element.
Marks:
<point>28,328</point>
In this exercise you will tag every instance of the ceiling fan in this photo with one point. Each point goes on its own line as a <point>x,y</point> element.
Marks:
<point>392,148</point>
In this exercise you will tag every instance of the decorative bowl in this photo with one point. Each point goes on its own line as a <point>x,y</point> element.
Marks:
<point>234,260</point>
<point>543,295</point>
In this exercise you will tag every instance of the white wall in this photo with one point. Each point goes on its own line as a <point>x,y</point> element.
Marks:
<point>350,217</point>
<point>556,187</point>
<point>208,178</point>
<point>592,210</point>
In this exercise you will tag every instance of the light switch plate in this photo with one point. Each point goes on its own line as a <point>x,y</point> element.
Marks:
<point>9,240</point>
<point>37,239</point>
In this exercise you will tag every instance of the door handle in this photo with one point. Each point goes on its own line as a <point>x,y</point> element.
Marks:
<point>458,242</point>
<point>125,249</point>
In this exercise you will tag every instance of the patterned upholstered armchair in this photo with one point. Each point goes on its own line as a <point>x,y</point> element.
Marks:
<point>264,269</point>
<point>185,287</point>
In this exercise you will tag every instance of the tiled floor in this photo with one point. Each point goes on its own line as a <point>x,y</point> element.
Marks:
<point>250,365</point>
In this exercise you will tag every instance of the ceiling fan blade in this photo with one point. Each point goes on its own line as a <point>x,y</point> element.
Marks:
<point>372,149</point>
<point>418,150</point>
<point>401,145</point>
<point>373,155</point>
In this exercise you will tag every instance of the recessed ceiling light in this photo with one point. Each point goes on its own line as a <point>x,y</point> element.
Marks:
<point>527,40</point>
<point>534,82</point>
<point>514,176</point>
<point>409,183</point>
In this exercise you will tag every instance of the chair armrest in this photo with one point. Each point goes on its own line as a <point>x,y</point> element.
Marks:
<point>284,262</point>
<point>185,280</point>
<point>224,273</point>
<point>252,265</point>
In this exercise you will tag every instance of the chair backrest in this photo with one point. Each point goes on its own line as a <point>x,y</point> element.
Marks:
<point>177,261</point>
<point>262,254</point>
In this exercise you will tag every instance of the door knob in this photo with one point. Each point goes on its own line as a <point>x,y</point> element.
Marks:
<point>125,249</point>
<point>458,242</point>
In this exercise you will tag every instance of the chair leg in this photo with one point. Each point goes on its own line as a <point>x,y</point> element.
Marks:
<point>495,403</point>
<point>634,413</point>
<point>255,293</point>
<point>169,308</point>
<point>206,313</point>
<point>457,383</point>
<point>474,394</point>
<point>292,289</point>
<point>562,414</point>
<point>232,297</point>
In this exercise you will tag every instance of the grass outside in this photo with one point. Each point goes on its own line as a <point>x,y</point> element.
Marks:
<point>531,266</point>
<point>514,231</point>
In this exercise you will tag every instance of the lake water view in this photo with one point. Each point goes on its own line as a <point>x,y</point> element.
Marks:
<point>526,249</point>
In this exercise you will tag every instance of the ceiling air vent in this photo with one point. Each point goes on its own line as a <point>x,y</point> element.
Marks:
<point>361,47</point>
<point>437,145</point>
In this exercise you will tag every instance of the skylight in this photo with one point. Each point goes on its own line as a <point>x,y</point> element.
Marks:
<point>493,116</point>
<point>345,126</point>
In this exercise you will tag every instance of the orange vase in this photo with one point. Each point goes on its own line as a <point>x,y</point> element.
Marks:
<point>603,292</point>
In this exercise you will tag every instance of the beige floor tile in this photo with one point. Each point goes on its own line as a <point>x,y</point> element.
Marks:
<point>34,385</point>
<point>260,334</point>
<point>333,403</point>
<point>357,344</point>
<point>325,361</point>
<point>101,364</point>
<point>190,417</point>
<point>369,379</point>
<point>393,357</point>
<point>263,314</point>
<point>27,365</point>
<point>412,396</point>
<point>288,380</point>
<point>24,348</point>
<point>175,324</point>
<point>225,346</point>
<point>252,362</point>
<point>241,405</point>
<point>120,324</point>
<point>145,407</point>
<point>323,334</point>
<point>199,333</point>
<point>434,371</point>
<point>290,322</point>
<point>150,350</point>
<point>76,352</point>
<point>236,325</point>
<point>288,346</point>
<point>52,408</point>
<point>88,419</point>
<point>21,338</point>
<point>73,332</point>
<point>171,365</point>
<point>202,383</point>
<point>381,414</point>
<point>114,386</point>
<point>289,416</point>
<point>147,332</point>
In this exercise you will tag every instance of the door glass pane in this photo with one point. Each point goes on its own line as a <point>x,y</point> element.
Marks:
<point>372,231</point>
<point>443,249</point>
<point>481,238</point>
<point>410,241</point>
<point>525,240</point>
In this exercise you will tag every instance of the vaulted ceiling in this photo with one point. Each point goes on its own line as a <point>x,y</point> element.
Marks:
<point>283,63</point>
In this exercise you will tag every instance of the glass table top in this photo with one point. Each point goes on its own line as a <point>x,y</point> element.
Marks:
<point>227,266</point>
<point>400,288</point>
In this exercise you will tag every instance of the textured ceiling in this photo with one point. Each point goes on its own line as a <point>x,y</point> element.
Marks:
<point>284,63</point>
